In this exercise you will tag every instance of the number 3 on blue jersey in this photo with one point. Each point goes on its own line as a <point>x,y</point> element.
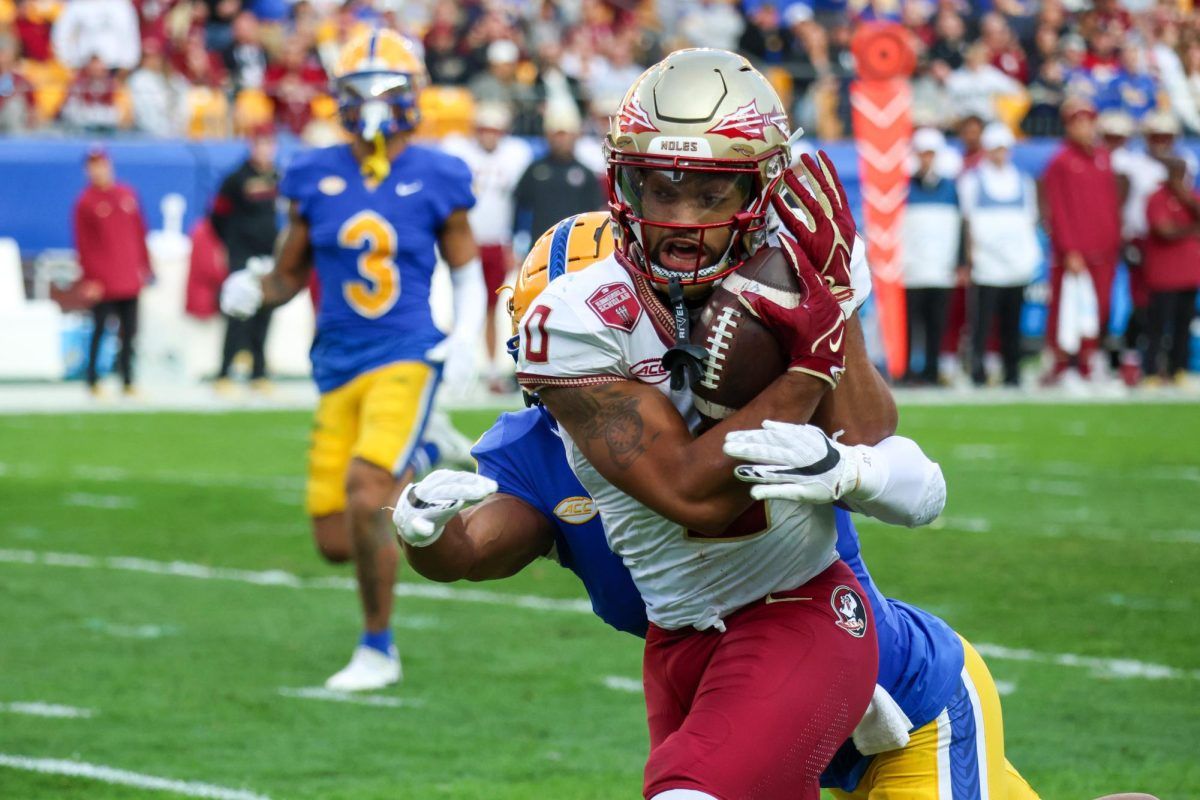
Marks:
<point>379,290</point>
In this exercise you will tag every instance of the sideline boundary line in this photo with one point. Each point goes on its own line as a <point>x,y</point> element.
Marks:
<point>1097,666</point>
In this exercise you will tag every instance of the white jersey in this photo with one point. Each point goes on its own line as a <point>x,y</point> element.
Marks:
<point>494,177</point>
<point>1000,205</point>
<point>604,325</point>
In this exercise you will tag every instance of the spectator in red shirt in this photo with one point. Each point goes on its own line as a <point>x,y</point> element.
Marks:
<point>1171,263</point>
<point>1083,213</point>
<point>293,83</point>
<point>33,25</point>
<point>199,66</point>
<point>970,136</point>
<point>110,237</point>
<point>1005,53</point>
<point>91,104</point>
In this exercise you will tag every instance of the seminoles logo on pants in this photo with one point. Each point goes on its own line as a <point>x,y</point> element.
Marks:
<point>852,614</point>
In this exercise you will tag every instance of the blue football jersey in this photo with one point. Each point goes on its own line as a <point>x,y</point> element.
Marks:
<point>373,250</point>
<point>920,656</point>
<point>523,454</point>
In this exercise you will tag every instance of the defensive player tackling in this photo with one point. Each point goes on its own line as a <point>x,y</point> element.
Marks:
<point>533,506</point>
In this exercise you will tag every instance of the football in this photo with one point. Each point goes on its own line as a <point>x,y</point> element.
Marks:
<point>742,355</point>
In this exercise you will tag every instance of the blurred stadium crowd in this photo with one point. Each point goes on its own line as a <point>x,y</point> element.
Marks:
<point>217,68</point>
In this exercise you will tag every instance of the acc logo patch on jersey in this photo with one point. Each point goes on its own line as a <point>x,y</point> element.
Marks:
<point>852,613</point>
<point>331,185</point>
<point>650,370</point>
<point>575,510</point>
<point>616,306</point>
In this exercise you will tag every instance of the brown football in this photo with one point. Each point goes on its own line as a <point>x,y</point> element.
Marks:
<point>743,357</point>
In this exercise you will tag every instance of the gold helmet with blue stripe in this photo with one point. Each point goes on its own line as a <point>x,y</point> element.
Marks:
<point>573,244</point>
<point>376,81</point>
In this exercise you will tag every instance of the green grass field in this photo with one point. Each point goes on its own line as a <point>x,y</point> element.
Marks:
<point>1069,547</point>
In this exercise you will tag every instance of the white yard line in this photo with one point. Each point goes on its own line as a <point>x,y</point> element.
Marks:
<point>183,569</point>
<point>1102,667</point>
<point>620,683</point>
<point>99,772</point>
<point>968,524</point>
<point>38,709</point>
<point>320,693</point>
<point>1098,667</point>
<point>105,501</point>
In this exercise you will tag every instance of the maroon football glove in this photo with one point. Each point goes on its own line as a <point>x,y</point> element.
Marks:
<point>812,333</point>
<point>822,225</point>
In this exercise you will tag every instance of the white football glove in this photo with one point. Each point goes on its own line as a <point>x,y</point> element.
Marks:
<point>260,265</point>
<point>241,294</point>
<point>424,508</point>
<point>794,462</point>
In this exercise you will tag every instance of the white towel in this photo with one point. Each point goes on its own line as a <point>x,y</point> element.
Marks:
<point>884,727</point>
<point>1078,311</point>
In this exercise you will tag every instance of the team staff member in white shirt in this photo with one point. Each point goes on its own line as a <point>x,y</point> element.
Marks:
<point>930,251</point>
<point>497,162</point>
<point>999,205</point>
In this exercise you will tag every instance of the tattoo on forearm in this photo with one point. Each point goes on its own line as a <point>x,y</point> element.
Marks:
<point>605,413</point>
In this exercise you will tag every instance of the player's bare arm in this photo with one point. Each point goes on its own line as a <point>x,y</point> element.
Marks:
<point>293,262</point>
<point>495,539</point>
<point>863,406</point>
<point>456,241</point>
<point>632,434</point>
<point>454,525</point>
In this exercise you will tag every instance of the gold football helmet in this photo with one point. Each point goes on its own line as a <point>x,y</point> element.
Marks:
<point>570,246</point>
<point>376,81</point>
<point>695,151</point>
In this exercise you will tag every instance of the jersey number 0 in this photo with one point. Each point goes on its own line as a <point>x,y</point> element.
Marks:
<point>379,289</point>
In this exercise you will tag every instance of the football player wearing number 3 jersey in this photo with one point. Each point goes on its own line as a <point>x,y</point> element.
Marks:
<point>367,217</point>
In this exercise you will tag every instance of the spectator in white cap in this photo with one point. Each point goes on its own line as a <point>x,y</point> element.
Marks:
<point>499,84</point>
<point>929,253</point>
<point>556,185</point>
<point>497,162</point>
<point>1162,130</point>
<point>1000,212</point>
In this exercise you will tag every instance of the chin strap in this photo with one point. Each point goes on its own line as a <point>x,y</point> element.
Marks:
<point>376,166</point>
<point>685,360</point>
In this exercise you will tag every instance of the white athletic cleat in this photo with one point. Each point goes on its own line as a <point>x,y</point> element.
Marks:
<point>368,670</point>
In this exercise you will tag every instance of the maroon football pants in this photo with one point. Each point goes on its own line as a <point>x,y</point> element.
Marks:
<point>757,712</point>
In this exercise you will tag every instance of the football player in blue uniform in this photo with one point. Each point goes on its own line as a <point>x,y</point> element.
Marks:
<point>934,730</point>
<point>367,216</point>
